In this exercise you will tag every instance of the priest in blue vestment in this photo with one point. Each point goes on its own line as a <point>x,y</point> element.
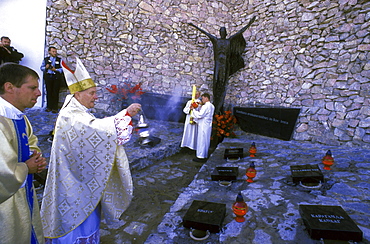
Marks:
<point>20,157</point>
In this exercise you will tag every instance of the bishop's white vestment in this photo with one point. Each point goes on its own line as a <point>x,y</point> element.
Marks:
<point>87,169</point>
<point>204,118</point>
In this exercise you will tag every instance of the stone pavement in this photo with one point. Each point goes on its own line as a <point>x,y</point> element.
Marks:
<point>159,175</point>
<point>166,186</point>
<point>273,199</point>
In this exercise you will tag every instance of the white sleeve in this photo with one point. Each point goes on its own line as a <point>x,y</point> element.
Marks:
<point>123,123</point>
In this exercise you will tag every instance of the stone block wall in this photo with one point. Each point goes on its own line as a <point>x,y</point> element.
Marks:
<point>300,53</point>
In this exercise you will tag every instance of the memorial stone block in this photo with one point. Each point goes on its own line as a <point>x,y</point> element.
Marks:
<point>306,174</point>
<point>233,153</point>
<point>272,121</point>
<point>204,215</point>
<point>225,173</point>
<point>329,222</point>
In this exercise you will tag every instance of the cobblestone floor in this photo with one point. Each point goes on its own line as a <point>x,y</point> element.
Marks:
<point>156,190</point>
<point>165,188</point>
<point>273,199</point>
<point>159,176</point>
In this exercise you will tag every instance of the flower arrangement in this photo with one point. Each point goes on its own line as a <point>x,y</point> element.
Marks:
<point>224,124</point>
<point>126,92</point>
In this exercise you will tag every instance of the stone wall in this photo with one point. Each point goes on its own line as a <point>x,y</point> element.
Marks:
<point>300,53</point>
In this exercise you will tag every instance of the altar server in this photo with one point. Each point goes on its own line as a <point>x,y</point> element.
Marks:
<point>204,118</point>
<point>189,137</point>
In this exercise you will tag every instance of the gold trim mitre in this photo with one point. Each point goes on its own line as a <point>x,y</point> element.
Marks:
<point>78,80</point>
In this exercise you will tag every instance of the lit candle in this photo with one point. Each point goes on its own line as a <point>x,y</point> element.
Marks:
<point>193,93</point>
<point>192,102</point>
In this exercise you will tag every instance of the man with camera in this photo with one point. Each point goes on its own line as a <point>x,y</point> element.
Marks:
<point>9,54</point>
<point>53,78</point>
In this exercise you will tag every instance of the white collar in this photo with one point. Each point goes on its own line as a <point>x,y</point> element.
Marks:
<point>72,101</point>
<point>9,111</point>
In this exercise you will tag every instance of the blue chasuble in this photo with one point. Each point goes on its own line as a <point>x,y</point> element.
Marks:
<point>23,156</point>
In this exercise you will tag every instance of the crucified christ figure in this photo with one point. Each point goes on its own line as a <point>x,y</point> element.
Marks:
<point>228,59</point>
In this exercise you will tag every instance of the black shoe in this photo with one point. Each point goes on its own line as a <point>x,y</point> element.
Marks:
<point>199,160</point>
<point>47,110</point>
<point>54,111</point>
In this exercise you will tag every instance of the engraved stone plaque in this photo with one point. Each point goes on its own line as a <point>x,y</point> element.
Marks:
<point>329,222</point>
<point>306,173</point>
<point>233,153</point>
<point>272,121</point>
<point>225,173</point>
<point>204,215</point>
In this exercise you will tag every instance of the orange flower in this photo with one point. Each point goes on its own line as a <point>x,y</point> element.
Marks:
<point>224,124</point>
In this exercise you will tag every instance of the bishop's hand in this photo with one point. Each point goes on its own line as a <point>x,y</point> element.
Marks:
<point>133,109</point>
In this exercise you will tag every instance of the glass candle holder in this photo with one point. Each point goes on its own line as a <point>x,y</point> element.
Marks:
<point>251,172</point>
<point>252,150</point>
<point>240,208</point>
<point>328,160</point>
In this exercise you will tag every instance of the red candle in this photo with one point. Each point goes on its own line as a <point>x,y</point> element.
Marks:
<point>328,160</point>
<point>251,172</point>
<point>253,150</point>
<point>240,208</point>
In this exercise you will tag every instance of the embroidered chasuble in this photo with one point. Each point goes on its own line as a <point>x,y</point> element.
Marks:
<point>19,208</point>
<point>86,167</point>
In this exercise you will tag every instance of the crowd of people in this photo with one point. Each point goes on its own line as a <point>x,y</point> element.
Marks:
<point>88,173</point>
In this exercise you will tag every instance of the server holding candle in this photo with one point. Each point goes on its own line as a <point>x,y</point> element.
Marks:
<point>203,117</point>
<point>189,138</point>
<point>193,103</point>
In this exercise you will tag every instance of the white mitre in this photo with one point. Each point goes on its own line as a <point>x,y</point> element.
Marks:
<point>78,80</point>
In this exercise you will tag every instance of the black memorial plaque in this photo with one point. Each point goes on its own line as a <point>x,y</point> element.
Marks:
<point>233,153</point>
<point>277,122</point>
<point>225,173</point>
<point>306,173</point>
<point>329,222</point>
<point>204,215</point>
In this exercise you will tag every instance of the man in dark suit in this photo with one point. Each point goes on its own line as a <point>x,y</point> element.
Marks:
<point>53,78</point>
<point>9,54</point>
